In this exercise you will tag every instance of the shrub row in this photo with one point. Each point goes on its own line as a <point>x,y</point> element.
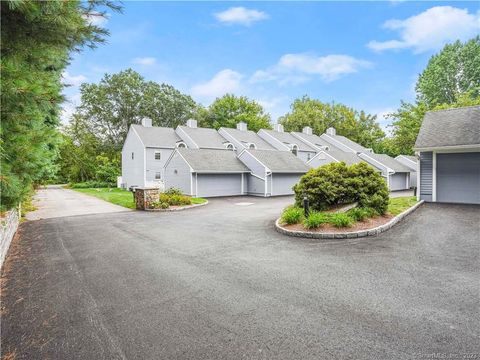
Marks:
<point>171,199</point>
<point>337,183</point>
<point>92,184</point>
<point>294,215</point>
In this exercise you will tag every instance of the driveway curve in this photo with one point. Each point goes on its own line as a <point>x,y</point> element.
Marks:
<point>55,201</point>
<point>218,282</point>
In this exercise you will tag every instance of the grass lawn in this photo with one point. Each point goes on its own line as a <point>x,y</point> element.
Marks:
<point>120,197</point>
<point>400,204</point>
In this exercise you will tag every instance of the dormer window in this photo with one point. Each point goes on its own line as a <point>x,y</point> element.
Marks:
<point>181,144</point>
<point>229,146</point>
<point>294,149</point>
<point>252,146</point>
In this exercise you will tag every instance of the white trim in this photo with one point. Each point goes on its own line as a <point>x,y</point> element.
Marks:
<point>136,133</point>
<point>196,184</point>
<point>339,142</point>
<point>222,172</point>
<point>224,132</point>
<point>191,184</point>
<point>312,145</point>
<point>434,176</point>
<point>178,143</point>
<point>285,147</point>
<point>418,178</point>
<point>144,166</point>
<point>271,184</point>
<point>475,147</point>
<point>242,192</point>
<point>188,136</point>
<point>406,158</point>
<point>171,156</point>
<point>389,171</point>
<point>155,152</point>
<point>323,152</point>
<point>246,150</point>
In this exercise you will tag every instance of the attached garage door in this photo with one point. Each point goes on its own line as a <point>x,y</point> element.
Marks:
<point>398,181</point>
<point>458,178</point>
<point>281,184</point>
<point>209,185</point>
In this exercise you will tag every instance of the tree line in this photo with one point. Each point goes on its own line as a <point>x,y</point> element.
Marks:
<point>37,41</point>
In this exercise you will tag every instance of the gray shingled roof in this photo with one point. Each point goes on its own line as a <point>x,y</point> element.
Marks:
<point>410,163</point>
<point>280,161</point>
<point>288,139</point>
<point>345,141</point>
<point>210,160</point>
<point>348,158</point>
<point>249,137</point>
<point>315,140</point>
<point>205,137</point>
<point>410,157</point>
<point>389,162</point>
<point>155,136</point>
<point>450,128</point>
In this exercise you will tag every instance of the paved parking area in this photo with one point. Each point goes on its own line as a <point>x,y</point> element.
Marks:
<point>218,282</point>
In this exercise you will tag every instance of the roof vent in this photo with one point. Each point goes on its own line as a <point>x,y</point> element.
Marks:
<point>331,131</point>
<point>278,127</point>
<point>307,130</point>
<point>242,126</point>
<point>147,122</point>
<point>191,123</point>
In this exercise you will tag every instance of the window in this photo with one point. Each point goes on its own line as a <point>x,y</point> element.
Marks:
<point>229,146</point>
<point>309,156</point>
<point>133,156</point>
<point>252,146</point>
<point>294,149</point>
<point>158,155</point>
<point>158,176</point>
<point>181,145</point>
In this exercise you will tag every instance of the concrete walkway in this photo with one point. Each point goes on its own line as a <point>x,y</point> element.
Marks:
<point>55,201</point>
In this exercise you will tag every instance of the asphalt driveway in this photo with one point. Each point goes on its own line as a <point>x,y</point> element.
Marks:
<point>218,282</point>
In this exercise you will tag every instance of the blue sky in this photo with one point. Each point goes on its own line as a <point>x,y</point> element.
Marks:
<point>364,54</point>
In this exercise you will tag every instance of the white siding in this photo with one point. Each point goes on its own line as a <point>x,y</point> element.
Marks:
<point>178,175</point>
<point>255,186</point>
<point>154,166</point>
<point>133,170</point>
<point>321,160</point>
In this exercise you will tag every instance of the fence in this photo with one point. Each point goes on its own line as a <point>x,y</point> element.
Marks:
<point>9,225</point>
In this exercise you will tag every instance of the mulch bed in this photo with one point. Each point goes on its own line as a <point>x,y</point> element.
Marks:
<point>358,226</point>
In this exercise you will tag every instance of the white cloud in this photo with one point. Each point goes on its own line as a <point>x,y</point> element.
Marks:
<point>72,80</point>
<point>240,16</point>
<point>382,118</point>
<point>225,81</point>
<point>431,29</point>
<point>299,68</point>
<point>145,61</point>
<point>96,18</point>
<point>68,107</point>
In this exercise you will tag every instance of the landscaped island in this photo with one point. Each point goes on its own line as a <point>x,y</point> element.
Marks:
<point>125,198</point>
<point>342,198</point>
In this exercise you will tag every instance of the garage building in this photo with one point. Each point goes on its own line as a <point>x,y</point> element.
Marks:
<point>448,145</point>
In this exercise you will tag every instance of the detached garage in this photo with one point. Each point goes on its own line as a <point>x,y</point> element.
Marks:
<point>206,172</point>
<point>449,148</point>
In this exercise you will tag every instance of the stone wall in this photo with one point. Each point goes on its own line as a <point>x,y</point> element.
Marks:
<point>144,197</point>
<point>9,225</point>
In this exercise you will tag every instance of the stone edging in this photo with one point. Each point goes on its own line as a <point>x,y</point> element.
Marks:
<point>178,209</point>
<point>348,235</point>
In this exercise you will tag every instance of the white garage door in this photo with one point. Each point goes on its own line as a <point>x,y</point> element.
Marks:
<point>458,178</point>
<point>209,185</point>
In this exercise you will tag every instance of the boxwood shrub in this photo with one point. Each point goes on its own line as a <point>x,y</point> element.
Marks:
<point>337,183</point>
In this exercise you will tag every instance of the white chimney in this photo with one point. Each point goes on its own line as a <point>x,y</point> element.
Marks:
<point>331,131</point>
<point>242,126</point>
<point>307,130</point>
<point>147,122</point>
<point>278,127</point>
<point>191,123</point>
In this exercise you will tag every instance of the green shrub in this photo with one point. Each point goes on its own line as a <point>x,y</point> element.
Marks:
<point>315,219</point>
<point>340,220</point>
<point>358,214</point>
<point>175,200</point>
<point>159,205</point>
<point>292,215</point>
<point>173,191</point>
<point>164,205</point>
<point>371,212</point>
<point>337,183</point>
<point>92,184</point>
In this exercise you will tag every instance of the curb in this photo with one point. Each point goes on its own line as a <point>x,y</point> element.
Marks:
<point>178,209</point>
<point>348,235</point>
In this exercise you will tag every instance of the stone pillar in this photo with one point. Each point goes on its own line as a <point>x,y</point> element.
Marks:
<point>145,196</point>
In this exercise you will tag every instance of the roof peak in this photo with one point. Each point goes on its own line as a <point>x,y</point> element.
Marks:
<point>453,109</point>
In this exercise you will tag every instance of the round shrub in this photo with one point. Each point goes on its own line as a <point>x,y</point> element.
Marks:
<point>292,215</point>
<point>337,183</point>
